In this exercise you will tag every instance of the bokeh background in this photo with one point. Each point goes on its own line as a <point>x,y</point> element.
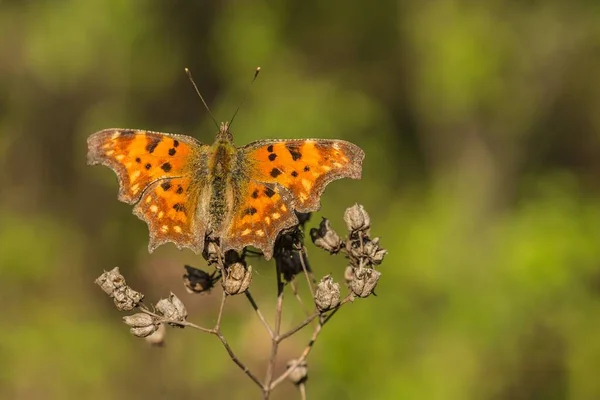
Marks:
<point>481,127</point>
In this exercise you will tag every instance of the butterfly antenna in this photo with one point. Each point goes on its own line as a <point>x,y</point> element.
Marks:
<point>189,75</point>
<point>246,96</point>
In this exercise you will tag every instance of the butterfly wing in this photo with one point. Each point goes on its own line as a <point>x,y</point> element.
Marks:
<point>162,175</point>
<point>259,212</point>
<point>304,167</point>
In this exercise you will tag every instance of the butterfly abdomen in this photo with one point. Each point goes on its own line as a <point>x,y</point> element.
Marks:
<point>220,173</point>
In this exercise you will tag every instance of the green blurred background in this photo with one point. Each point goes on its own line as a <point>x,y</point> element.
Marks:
<point>481,129</point>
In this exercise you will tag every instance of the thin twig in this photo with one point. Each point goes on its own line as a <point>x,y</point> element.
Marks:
<point>260,315</point>
<point>301,325</point>
<point>236,360</point>
<point>297,295</point>
<point>309,281</point>
<point>217,327</point>
<point>311,342</point>
<point>302,388</point>
<point>274,342</point>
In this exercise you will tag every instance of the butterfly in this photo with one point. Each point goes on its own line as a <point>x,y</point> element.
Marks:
<point>187,191</point>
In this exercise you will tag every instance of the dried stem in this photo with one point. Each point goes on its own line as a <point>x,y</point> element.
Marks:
<point>302,388</point>
<point>260,315</point>
<point>275,341</point>
<point>309,281</point>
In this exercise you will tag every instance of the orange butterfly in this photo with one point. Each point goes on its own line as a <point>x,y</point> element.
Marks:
<point>186,190</point>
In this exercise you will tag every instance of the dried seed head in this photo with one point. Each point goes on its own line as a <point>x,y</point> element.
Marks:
<point>237,278</point>
<point>357,219</point>
<point>139,320</point>
<point>172,308</point>
<point>141,324</point>
<point>110,281</point>
<point>300,373</point>
<point>126,299</point>
<point>373,252</point>
<point>113,284</point>
<point>157,338</point>
<point>362,280</point>
<point>144,331</point>
<point>326,238</point>
<point>197,281</point>
<point>327,295</point>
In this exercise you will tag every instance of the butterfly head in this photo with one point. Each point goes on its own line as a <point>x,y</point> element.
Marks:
<point>224,134</point>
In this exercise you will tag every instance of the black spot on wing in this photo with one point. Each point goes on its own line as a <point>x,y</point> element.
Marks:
<point>294,151</point>
<point>172,151</point>
<point>138,160</point>
<point>275,172</point>
<point>153,142</point>
<point>255,194</point>
<point>165,185</point>
<point>294,174</point>
<point>269,192</point>
<point>148,166</point>
<point>175,143</point>
<point>306,169</point>
<point>270,148</point>
<point>166,167</point>
<point>179,207</point>
<point>179,190</point>
<point>249,211</point>
<point>272,157</point>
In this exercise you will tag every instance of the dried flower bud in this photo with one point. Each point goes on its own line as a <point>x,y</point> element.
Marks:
<point>126,299</point>
<point>172,308</point>
<point>158,337</point>
<point>139,320</point>
<point>325,237</point>
<point>141,324</point>
<point>197,281</point>
<point>144,331</point>
<point>110,281</point>
<point>113,284</point>
<point>357,219</point>
<point>237,278</point>
<point>327,295</point>
<point>300,373</point>
<point>363,280</point>
<point>373,252</point>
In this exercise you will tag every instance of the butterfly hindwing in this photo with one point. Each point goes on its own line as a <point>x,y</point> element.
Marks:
<point>259,213</point>
<point>170,207</point>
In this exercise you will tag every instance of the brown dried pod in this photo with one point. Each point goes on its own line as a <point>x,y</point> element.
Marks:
<point>126,299</point>
<point>143,331</point>
<point>139,320</point>
<point>357,219</point>
<point>237,278</point>
<point>372,252</point>
<point>172,308</point>
<point>300,373</point>
<point>363,281</point>
<point>326,238</point>
<point>157,338</point>
<point>327,295</point>
<point>110,281</point>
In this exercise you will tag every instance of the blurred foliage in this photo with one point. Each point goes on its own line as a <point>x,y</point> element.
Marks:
<point>482,139</point>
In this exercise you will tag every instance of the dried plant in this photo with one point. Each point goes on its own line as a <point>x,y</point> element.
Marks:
<point>235,276</point>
